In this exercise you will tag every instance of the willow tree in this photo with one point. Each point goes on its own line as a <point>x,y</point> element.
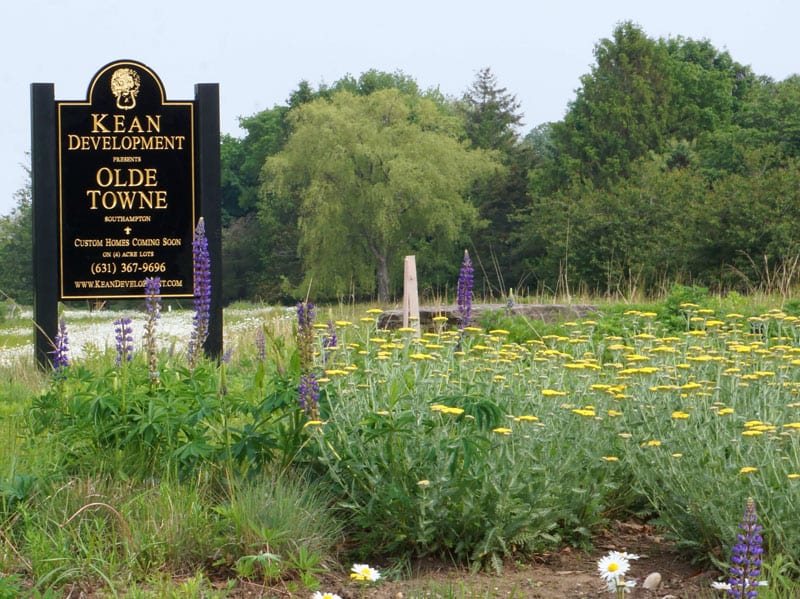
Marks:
<point>374,177</point>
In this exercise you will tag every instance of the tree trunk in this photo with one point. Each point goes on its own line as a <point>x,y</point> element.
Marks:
<point>383,279</point>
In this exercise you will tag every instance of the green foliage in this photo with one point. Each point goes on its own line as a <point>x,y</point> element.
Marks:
<point>673,163</point>
<point>427,467</point>
<point>11,586</point>
<point>16,253</point>
<point>491,121</point>
<point>282,528</point>
<point>475,445</point>
<point>117,420</point>
<point>373,177</point>
<point>641,94</point>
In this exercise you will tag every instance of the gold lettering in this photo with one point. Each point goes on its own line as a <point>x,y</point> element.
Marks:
<point>125,200</point>
<point>134,177</point>
<point>135,126</point>
<point>109,200</point>
<point>128,199</point>
<point>124,142</point>
<point>161,199</point>
<point>104,176</point>
<point>97,123</point>
<point>93,194</point>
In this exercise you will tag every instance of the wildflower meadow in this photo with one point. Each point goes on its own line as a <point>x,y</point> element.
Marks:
<point>322,441</point>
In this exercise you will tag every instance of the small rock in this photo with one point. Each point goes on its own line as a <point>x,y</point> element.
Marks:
<point>652,582</point>
<point>669,597</point>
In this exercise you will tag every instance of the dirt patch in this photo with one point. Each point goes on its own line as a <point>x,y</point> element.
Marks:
<point>566,573</point>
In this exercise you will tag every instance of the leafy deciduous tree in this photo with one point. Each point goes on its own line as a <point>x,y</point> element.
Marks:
<point>374,176</point>
<point>16,250</point>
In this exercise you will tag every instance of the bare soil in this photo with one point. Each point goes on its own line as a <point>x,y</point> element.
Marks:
<point>566,573</point>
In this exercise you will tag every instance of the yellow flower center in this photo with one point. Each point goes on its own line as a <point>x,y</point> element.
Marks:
<point>613,567</point>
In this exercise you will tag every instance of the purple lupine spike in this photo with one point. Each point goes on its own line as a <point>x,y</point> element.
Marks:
<point>308,394</point>
<point>329,341</point>
<point>464,291</point>
<point>308,391</point>
<point>746,556</point>
<point>305,334</point>
<point>202,293</point>
<point>61,347</point>
<point>152,301</point>
<point>123,334</point>
<point>261,345</point>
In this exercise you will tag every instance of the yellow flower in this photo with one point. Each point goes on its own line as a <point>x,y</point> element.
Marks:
<point>614,413</point>
<point>793,476</point>
<point>447,409</point>
<point>584,412</point>
<point>501,430</point>
<point>553,393</point>
<point>498,332</point>
<point>652,443</point>
<point>374,311</point>
<point>747,469</point>
<point>677,455</point>
<point>526,419</point>
<point>752,433</point>
<point>678,415</point>
<point>313,423</point>
<point>610,458</point>
<point>725,411</point>
<point>343,323</point>
<point>440,319</point>
<point>335,371</point>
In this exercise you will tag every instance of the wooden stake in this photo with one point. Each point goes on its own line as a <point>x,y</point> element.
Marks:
<point>410,294</point>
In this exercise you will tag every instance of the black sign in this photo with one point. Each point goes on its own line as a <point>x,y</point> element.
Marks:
<point>126,187</point>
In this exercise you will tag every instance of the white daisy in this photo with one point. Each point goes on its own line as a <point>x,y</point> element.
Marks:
<point>364,572</point>
<point>613,566</point>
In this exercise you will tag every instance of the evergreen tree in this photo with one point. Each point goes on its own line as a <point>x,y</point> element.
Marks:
<point>491,121</point>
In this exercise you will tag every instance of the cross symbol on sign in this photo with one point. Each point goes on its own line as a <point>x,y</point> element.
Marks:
<point>127,230</point>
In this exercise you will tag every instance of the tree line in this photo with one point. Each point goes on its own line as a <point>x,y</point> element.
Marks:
<point>673,163</point>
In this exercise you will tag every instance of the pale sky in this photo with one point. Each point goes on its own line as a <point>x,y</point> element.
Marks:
<point>258,51</point>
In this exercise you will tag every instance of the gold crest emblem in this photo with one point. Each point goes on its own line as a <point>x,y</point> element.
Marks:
<point>125,87</point>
